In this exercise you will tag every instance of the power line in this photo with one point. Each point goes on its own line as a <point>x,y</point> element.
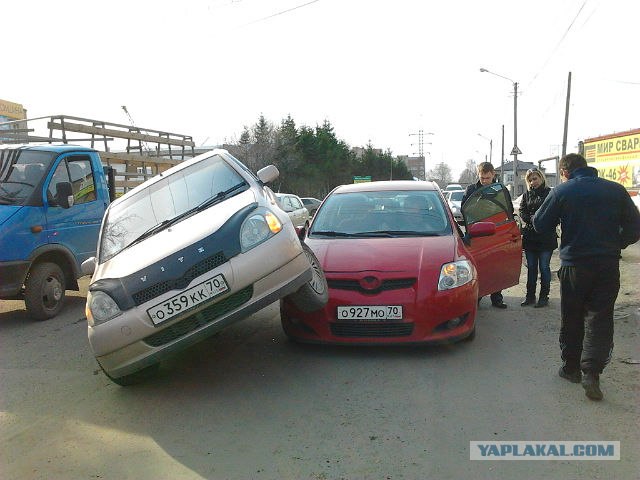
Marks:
<point>279,13</point>
<point>553,52</point>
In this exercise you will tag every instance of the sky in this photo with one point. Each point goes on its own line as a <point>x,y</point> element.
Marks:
<point>378,71</point>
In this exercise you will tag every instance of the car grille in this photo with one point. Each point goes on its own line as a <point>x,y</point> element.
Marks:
<point>180,283</point>
<point>199,319</point>
<point>392,284</point>
<point>371,329</point>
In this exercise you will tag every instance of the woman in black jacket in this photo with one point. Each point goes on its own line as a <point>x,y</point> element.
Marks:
<point>538,247</point>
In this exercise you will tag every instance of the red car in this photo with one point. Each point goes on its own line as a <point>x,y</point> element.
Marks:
<point>399,268</point>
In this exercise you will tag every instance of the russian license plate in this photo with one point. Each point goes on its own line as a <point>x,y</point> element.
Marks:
<point>370,312</point>
<point>188,299</point>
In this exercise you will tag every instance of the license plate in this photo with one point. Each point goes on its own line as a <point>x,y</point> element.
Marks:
<point>370,312</point>
<point>188,299</point>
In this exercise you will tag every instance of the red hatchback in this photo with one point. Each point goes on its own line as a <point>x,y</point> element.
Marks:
<point>399,268</point>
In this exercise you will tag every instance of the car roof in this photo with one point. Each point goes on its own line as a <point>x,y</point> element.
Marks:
<point>388,185</point>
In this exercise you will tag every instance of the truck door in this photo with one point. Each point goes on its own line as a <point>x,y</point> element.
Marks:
<point>76,227</point>
<point>498,256</point>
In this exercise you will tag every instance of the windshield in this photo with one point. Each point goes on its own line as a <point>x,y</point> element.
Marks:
<point>166,202</point>
<point>382,213</point>
<point>20,172</point>
<point>456,196</point>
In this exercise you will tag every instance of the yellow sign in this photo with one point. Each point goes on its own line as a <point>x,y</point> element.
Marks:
<point>11,110</point>
<point>625,147</point>
<point>617,158</point>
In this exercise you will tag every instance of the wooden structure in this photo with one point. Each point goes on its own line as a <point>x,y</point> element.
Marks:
<point>136,153</point>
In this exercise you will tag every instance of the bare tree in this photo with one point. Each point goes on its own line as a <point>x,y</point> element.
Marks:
<point>469,174</point>
<point>441,174</point>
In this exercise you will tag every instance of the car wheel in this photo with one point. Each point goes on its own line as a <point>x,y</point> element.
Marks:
<point>135,377</point>
<point>314,294</point>
<point>44,291</point>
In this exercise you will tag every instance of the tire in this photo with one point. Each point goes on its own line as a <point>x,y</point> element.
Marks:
<point>135,377</point>
<point>44,291</point>
<point>314,294</point>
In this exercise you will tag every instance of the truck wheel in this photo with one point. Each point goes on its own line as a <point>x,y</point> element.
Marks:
<point>314,294</point>
<point>44,291</point>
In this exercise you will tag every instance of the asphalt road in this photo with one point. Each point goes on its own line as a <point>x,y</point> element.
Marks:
<point>248,404</point>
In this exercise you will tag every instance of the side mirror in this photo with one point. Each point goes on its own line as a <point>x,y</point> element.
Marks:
<point>88,266</point>
<point>481,229</point>
<point>268,174</point>
<point>64,195</point>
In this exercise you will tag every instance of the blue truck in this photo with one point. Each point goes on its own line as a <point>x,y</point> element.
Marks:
<point>52,200</point>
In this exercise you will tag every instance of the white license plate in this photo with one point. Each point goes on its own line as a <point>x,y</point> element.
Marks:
<point>188,299</point>
<point>370,312</point>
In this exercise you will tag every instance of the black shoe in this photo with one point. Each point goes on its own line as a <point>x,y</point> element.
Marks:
<point>591,385</point>
<point>499,305</point>
<point>542,302</point>
<point>574,376</point>
<point>528,301</point>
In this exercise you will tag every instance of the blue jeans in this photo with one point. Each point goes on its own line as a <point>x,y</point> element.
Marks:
<point>538,261</point>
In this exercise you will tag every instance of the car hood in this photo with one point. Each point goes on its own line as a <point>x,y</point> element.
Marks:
<point>408,255</point>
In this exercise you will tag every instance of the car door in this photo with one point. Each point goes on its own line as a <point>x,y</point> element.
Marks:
<point>77,227</point>
<point>498,257</point>
<point>300,212</point>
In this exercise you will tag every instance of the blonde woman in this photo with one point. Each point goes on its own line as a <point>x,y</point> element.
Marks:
<point>538,247</point>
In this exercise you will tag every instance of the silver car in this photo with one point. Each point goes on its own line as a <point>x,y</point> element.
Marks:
<point>186,253</point>
<point>292,204</point>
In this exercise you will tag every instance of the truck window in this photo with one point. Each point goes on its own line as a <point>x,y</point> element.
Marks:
<point>76,170</point>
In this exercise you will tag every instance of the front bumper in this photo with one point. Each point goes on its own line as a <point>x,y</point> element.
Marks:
<point>158,343</point>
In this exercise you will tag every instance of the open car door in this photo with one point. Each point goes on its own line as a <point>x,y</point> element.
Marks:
<point>498,256</point>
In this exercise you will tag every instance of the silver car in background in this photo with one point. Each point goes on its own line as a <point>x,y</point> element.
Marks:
<point>186,253</point>
<point>292,204</point>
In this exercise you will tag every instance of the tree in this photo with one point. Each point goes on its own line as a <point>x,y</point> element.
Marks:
<point>470,173</point>
<point>441,174</point>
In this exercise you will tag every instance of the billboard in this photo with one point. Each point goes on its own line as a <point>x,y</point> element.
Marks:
<point>616,156</point>
<point>11,111</point>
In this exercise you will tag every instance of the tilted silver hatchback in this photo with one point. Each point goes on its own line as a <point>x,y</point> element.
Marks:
<point>186,253</point>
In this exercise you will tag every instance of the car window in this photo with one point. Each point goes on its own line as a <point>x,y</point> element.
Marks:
<point>456,196</point>
<point>396,212</point>
<point>488,204</point>
<point>295,203</point>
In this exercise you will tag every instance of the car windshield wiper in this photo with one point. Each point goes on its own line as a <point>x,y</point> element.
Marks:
<point>220,196</point>
<point>330,233</point>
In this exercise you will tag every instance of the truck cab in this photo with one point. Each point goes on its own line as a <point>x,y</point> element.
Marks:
<point>52,200</point>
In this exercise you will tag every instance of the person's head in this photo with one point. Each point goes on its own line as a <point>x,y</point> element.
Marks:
<point>486,173</point>
<point>535,178</point>
<point>569,163</point>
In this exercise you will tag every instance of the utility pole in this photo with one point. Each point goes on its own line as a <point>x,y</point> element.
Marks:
<point>566,118</point>
<point>421,135</point>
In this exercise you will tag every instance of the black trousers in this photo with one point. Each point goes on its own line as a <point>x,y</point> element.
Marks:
<point>588,292</point>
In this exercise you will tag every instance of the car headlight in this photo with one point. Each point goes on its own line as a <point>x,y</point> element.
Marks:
<point>100,308</point>
<point>257,228</point>
<point>455,274</point>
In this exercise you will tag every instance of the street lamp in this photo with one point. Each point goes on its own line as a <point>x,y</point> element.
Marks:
<point>490,147</point>
<point>515,151</point>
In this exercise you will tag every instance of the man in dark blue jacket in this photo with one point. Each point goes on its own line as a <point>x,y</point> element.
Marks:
<point>598,219</point>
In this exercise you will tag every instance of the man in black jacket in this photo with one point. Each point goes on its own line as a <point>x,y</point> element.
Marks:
<point>486,176</point>
<point>598,219</point>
